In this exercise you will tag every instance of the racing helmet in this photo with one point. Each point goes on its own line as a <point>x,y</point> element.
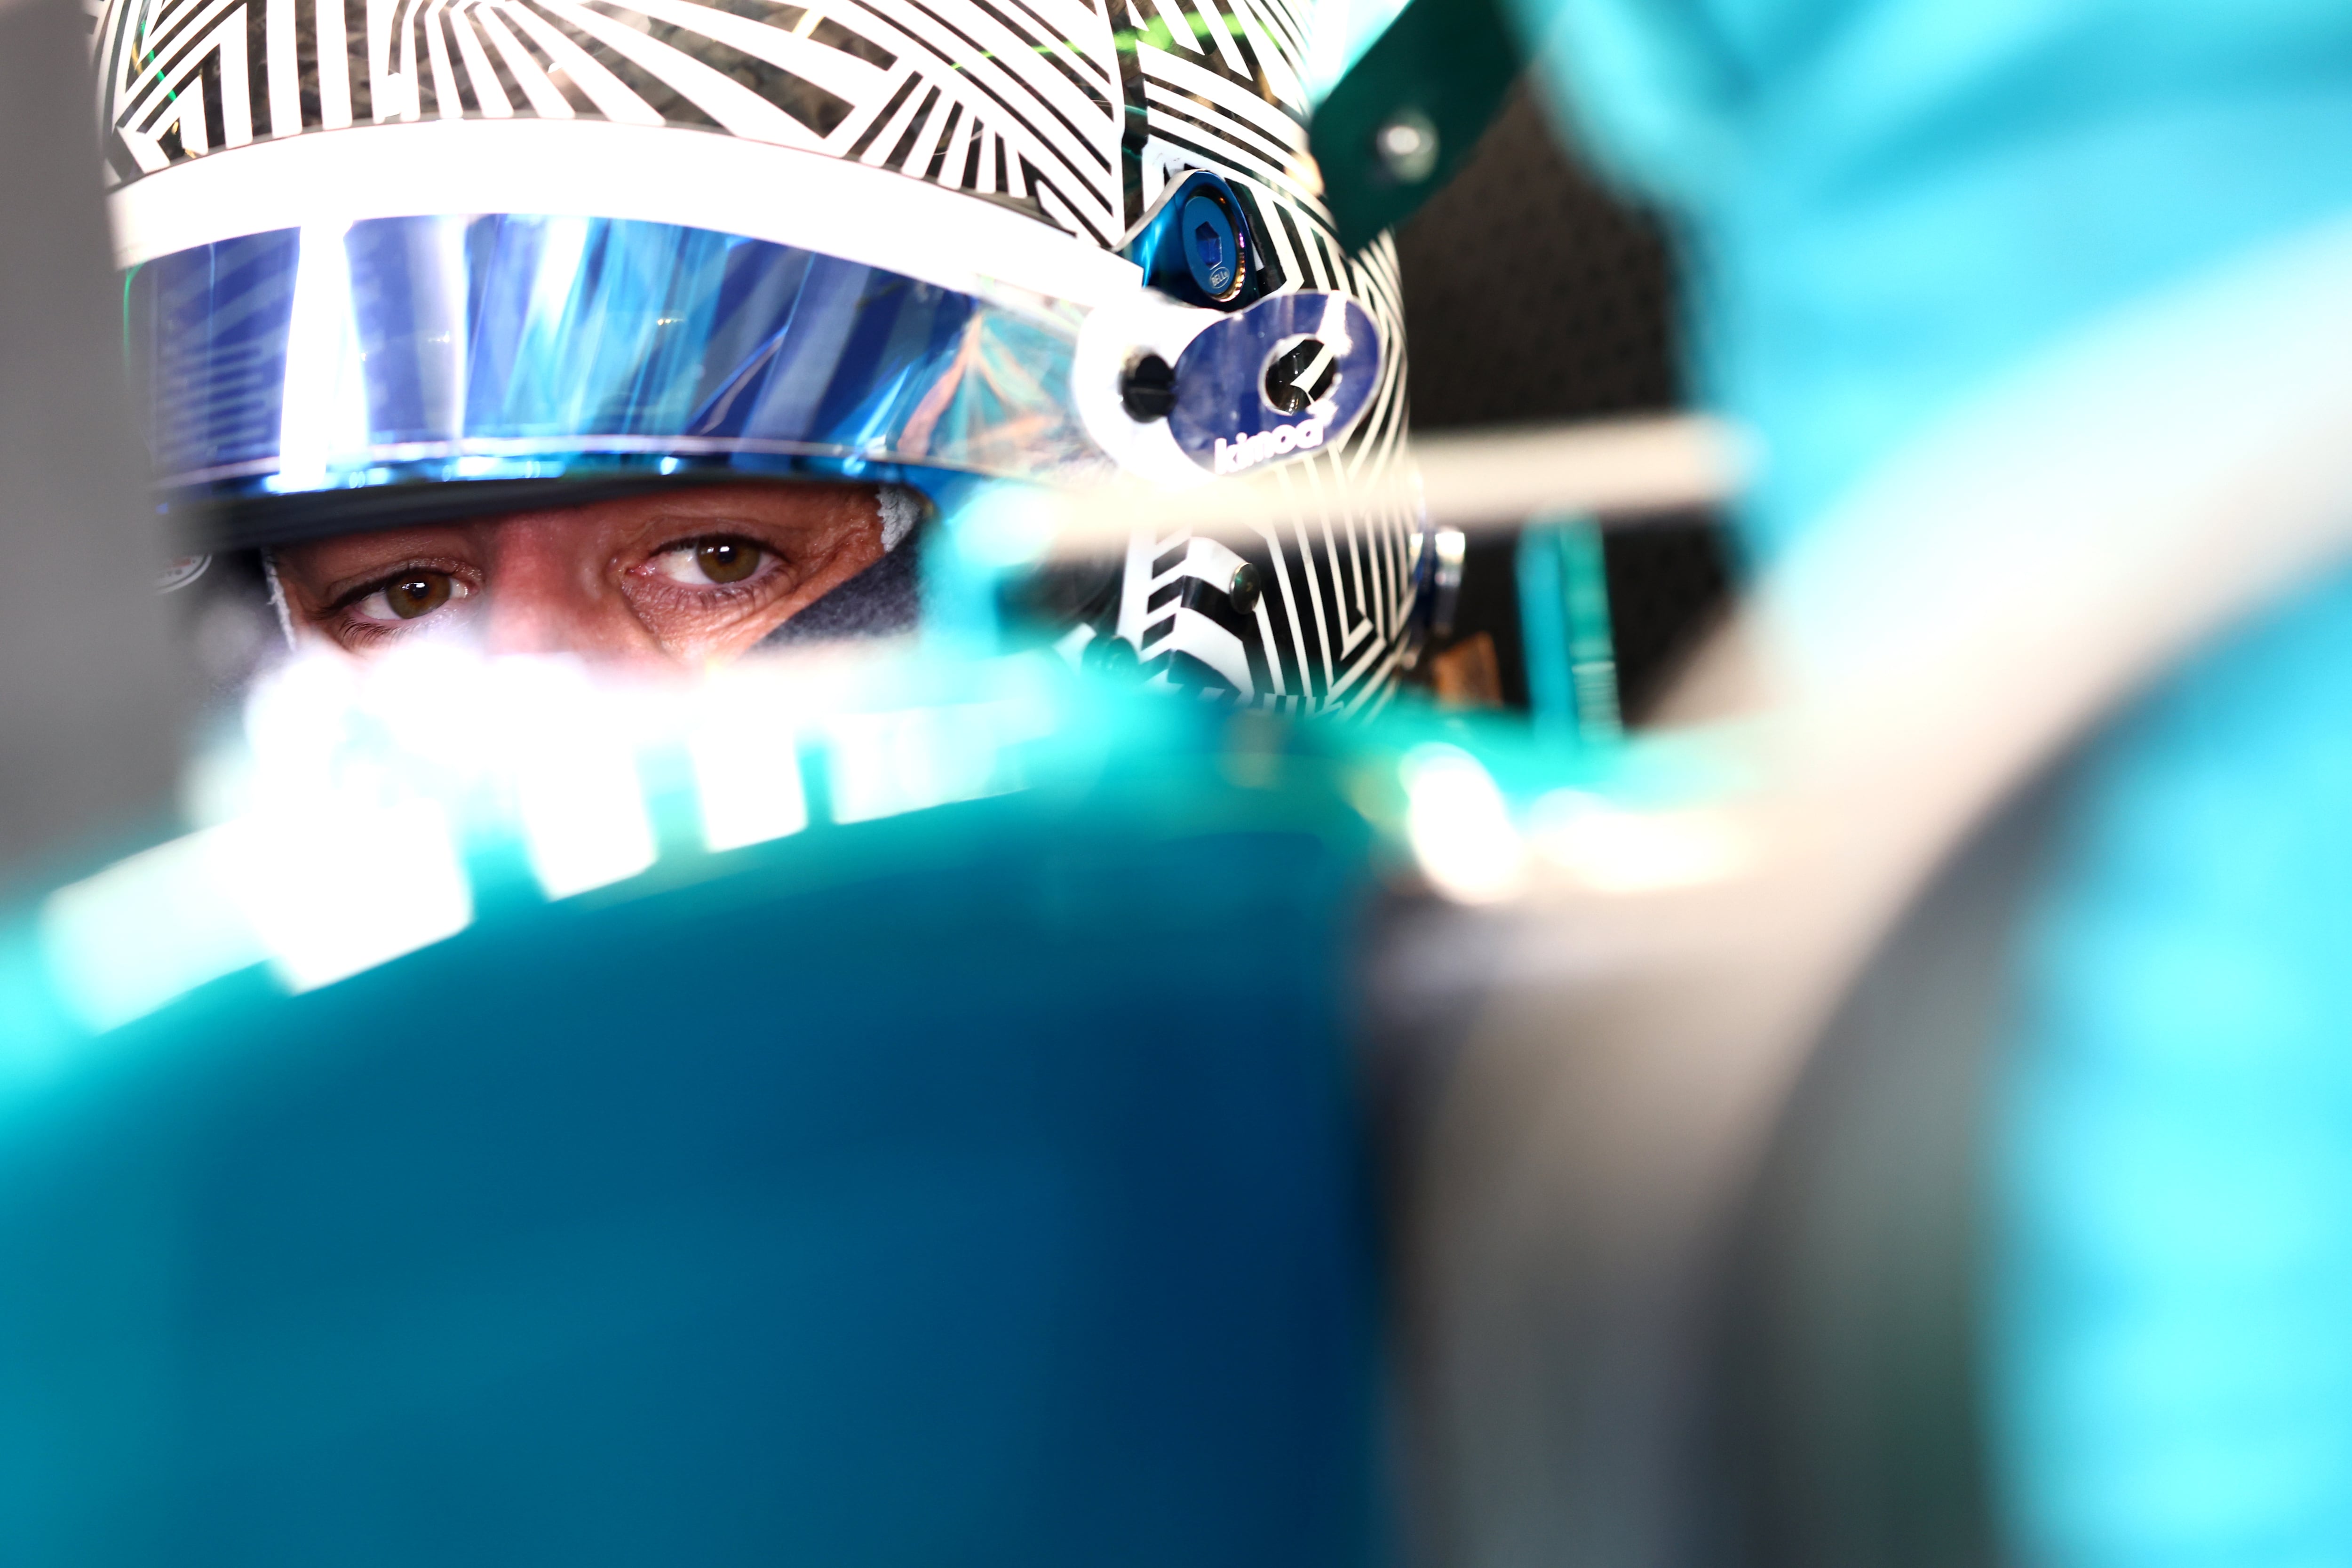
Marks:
<point>423,259</point>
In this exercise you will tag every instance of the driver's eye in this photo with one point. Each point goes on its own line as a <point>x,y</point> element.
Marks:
<point>727,560</point>
<point>408,596</point>
<point>712,562</point>
<point>418,593</point>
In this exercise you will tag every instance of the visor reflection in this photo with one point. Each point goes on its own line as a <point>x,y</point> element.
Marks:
<point>531,347</point>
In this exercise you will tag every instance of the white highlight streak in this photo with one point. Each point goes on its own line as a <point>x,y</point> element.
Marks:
<point>592,168</point>
<point>575,782</point>
<point>748,777</point>
<point>1460,829</point>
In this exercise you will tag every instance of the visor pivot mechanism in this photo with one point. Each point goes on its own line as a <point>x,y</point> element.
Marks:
<point>1147,389</point>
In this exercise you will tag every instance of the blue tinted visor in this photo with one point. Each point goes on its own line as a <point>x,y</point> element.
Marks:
<point>413,352</point>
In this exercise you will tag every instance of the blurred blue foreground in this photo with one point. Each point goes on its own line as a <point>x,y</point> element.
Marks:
<point>980,1183</point>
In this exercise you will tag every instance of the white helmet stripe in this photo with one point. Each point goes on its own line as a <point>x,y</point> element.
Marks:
<point>594,168</point>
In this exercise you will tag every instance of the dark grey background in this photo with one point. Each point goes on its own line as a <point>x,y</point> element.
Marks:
<point>89,713</point>
<point>1533,293</point>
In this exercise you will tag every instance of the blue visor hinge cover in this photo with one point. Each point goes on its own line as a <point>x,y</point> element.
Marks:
<point>1288,376</point>
<point>1202,243</point>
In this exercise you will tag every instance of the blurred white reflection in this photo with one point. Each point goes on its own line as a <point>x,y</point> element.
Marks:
<point>336,829</point>
<point>1611,851</point>
<point>129,940</point>
<point>575,781</point>
<point>1459,826</point>
<point>885,763</point>
<point>747,776</point>
<point>335,890</point>
<point>320,892</point>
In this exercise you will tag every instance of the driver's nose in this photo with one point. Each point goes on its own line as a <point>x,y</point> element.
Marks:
<point>551,592</point>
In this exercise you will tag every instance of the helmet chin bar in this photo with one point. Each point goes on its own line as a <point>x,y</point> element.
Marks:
<point>1231,391</point>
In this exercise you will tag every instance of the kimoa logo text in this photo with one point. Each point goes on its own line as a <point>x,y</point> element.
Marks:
<point>1246,452</point>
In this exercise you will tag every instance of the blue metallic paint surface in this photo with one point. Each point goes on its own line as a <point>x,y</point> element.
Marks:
<point>985,1184</point>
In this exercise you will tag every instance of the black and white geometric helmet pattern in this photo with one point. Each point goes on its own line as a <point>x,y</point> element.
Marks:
<point>1076,116</point>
